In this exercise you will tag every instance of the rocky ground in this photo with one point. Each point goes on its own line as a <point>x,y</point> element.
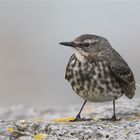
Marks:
<point>24,123</point>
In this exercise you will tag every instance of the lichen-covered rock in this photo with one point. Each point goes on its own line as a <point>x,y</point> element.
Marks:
<point>53,124</point>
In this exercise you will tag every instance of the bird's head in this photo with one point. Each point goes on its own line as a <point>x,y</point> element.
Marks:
<point>87,45</point>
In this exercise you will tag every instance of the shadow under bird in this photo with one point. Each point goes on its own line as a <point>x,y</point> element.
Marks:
<point>97,72</point>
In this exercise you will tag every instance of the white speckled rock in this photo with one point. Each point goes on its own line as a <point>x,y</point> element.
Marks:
<point>31,121</point>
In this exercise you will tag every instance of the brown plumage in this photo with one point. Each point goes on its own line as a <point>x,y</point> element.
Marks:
<point>97,72</point>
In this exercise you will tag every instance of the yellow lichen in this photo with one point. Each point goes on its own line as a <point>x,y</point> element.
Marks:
<point>40,136</point>
<point>10,129</point>
<point>132,118</point>
<point>63,119</point>
<point>138,115</point>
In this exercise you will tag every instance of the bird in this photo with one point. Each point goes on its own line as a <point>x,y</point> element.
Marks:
<point>97,72</point>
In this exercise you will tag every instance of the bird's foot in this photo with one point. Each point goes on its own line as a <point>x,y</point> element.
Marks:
<point>79,119</point>
<point>110,119</point>
<point>113,118</point>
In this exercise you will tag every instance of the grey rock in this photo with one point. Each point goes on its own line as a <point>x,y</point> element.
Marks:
<point>24,123</point>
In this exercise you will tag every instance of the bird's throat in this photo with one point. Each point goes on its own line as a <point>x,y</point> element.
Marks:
<point>80,56</point>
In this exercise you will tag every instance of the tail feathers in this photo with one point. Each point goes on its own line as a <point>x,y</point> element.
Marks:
<point>129,90</point>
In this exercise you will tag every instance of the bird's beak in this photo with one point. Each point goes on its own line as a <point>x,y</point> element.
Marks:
<point>71,44</point>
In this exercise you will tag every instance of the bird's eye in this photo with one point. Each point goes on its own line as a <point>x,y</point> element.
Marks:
<point>86,44</point>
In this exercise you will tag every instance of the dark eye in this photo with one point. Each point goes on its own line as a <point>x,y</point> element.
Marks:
<point>86,44</point>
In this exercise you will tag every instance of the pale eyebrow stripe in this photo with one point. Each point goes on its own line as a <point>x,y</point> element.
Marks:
<point>90,41</point>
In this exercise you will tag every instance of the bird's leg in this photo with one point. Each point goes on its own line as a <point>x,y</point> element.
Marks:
<point>78,117</point>
<point>114,112</point>
<point>114,115</point>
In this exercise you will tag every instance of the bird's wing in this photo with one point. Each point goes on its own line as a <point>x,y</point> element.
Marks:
<point>67,68</point>
<point>123,74</point>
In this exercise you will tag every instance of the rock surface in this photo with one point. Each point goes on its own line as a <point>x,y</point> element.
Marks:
<point>24,123</point>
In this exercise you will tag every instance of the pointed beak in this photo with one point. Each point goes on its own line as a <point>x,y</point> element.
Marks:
<point>71,44</point>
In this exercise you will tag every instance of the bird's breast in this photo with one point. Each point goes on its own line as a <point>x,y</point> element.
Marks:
<point>92,81</point>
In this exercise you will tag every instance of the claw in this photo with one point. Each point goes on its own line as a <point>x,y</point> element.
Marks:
<point>110,119</point>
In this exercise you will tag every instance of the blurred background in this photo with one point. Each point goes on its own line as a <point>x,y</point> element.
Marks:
<point>32,63</point>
